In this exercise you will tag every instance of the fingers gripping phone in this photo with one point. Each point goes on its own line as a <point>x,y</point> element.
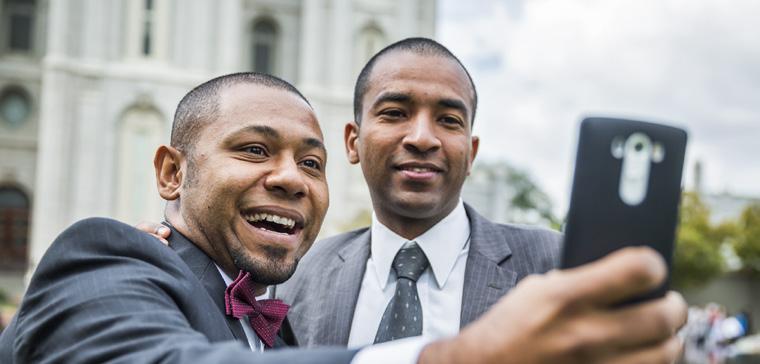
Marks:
<point>626,190</point>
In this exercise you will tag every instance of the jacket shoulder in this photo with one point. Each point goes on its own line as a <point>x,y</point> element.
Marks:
<point>101,237</point>
<point>538,234</point>
<point>331,245</point>
<point>537,249</point>
<point>311,268</point>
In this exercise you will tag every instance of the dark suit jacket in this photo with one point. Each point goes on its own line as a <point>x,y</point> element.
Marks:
<point>105,291</point>
<point>325,287</point>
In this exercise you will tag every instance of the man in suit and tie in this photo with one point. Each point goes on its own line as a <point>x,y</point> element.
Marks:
<point>244,177</point>
<point>414,106</point>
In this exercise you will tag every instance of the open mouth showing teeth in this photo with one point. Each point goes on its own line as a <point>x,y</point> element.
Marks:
<point>271,222</point>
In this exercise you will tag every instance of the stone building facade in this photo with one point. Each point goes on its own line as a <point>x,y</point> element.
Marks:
<point>88,89</point>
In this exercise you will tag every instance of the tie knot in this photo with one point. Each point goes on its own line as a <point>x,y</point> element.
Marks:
<point>410,262</point>
<point>265,316</point>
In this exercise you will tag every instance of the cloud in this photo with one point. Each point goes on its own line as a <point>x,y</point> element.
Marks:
<point>541,65</point>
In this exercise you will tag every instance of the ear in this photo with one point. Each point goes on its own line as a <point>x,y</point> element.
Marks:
<point>168,164</point>
<point>351,139</point>
<point>475,140</point>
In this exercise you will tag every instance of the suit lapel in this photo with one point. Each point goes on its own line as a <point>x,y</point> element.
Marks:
<point>205,270</point>
<point>347,271</point>
<point>486,280</point>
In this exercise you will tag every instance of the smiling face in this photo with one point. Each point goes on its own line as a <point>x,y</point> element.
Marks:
<point>415,143</point>
<point>255,191</point>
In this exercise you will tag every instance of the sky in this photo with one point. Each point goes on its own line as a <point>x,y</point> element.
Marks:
<point>540,66</point>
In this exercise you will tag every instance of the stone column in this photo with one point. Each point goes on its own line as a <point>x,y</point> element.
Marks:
<point>312,46</point>
<point>51,201</point>
<point>408,17</point>
<point>93,30</point>
<point>89,157</point>
<point>230,30</point>
<point>341,42</point>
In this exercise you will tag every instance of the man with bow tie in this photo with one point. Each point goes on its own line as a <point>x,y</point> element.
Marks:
<point>244,177</point>
<point>246,189</point>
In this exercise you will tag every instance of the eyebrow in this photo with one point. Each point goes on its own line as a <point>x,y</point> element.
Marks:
<point>274,134</point>
<point>260,129</point>
<point>392,97</point>
<point>454,104</point>
<point>315,143</point>
<point>405,98</point>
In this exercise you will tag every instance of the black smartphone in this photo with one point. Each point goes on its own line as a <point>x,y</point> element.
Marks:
<point>626,191</point>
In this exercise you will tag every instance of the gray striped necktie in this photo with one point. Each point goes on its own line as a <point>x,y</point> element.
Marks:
<point>403,316</point>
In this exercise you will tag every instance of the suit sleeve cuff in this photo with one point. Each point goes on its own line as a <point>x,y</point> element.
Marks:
<point>404,351</point>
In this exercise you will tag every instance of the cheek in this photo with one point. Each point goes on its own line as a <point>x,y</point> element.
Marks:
<point>301,251</point>
<point>322,203</point>
<point>320,199</point>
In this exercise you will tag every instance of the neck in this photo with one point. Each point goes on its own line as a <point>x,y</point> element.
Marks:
<point>410,227</point>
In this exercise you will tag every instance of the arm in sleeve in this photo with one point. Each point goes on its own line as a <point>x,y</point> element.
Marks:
<point>105,292</point>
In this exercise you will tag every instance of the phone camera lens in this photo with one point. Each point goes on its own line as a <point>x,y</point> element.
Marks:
<point>639,146</point>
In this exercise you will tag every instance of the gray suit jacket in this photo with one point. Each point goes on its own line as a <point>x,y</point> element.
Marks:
<point>325,287</point>
<point>105,291</point>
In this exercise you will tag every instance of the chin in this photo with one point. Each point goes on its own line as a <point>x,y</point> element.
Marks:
<point>417,206</point>
<point>275,267</point>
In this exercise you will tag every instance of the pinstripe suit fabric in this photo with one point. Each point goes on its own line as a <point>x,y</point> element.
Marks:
<point>105,291</point>
<point>324,290</point>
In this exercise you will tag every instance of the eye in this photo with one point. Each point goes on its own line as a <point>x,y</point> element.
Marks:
<point>392,113</point>
<point>451,120</point>
<point>313,164</point>
<point>256,150</point>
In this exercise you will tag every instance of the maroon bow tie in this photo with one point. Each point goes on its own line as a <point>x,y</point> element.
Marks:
<point>265,316</point>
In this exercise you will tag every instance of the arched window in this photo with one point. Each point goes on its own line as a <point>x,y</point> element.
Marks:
<point>371,40</point>
<point>18,25</point>
<point>15,106</point>
<point>14,228</point>
<point>140,133</point>
<point>264,42</point>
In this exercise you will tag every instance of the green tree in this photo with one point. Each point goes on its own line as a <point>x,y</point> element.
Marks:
<point>529,197</point>
<point>747,242</point>
<point>697,257</point>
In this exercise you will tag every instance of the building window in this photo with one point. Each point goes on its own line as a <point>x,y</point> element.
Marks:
<point>147,27</point>
<point>15,107</point>
<point>18,18</point>
<point>14,228</point>
<point>264,46</point>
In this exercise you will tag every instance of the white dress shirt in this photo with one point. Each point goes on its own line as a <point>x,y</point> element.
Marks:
<point>446,246</point>
<point>404,351</point>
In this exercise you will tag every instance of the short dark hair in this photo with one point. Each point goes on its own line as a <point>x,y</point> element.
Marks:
<point>419,46</point>
<point>201,105</point>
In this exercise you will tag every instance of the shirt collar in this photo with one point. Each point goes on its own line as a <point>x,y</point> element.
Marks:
<point>227,279</point>
<point>441,244</point>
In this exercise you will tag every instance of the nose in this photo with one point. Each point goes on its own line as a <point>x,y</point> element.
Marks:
<point>422,136</point>
<point>286,179</point>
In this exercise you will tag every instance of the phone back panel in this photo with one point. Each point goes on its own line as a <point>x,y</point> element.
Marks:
<point>599,221</point>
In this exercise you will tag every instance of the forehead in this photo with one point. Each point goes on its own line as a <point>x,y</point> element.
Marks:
<point>419,75</point>
<point>246,104</point>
